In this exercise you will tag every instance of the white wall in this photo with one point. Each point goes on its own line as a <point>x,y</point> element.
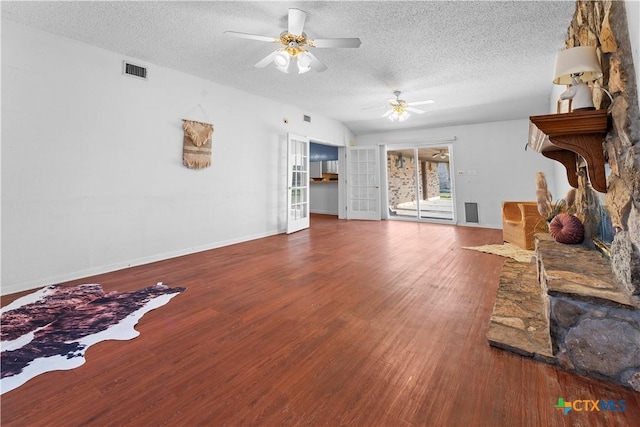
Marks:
<point>92,175</point>
<point>495,151</point>
<point>560,185</point>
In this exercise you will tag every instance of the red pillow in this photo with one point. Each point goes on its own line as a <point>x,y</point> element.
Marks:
<point>566,228</point>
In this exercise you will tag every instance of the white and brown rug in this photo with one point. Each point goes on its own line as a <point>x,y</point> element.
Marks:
<point>506,250</point>
<point>51,329</point>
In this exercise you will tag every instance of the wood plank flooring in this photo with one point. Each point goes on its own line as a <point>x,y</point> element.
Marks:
<point>349,323</point>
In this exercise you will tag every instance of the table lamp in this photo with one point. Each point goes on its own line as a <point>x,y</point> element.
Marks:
<point>576,66</point>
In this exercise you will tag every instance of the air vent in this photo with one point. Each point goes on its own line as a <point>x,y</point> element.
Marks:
<point>471,212</point>
<point>307,119</point>
<point>133,70</point>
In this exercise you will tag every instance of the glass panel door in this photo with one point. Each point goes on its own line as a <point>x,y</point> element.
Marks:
<point>297,183</point>
<point>402,188</point>
<point>363,183</point>
<point>434,177</point>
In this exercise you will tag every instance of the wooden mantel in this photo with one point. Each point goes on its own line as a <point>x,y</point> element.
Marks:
<point>564,137</point>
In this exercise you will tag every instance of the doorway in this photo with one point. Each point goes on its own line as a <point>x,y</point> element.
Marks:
<point>419,184</point>
<point>325,168</point>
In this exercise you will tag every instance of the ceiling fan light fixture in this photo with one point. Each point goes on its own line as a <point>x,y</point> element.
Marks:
<point>281,59</point>
<point>293,49</point>
<point>304,62</point>
<point>399,115</point>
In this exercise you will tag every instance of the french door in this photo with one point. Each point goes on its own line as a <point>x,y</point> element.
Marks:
<point>297,183</point>
<point>363,183</point>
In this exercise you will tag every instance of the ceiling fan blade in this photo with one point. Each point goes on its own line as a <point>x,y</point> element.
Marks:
<point>374,108</point>
<point>251,36</point>
<point>355,42</point>
<point>296,21</point>
<point>415,110</point>
<point>266,61</point>
<point>413,104</point>
<point>387,113</point>
<point>315,64</point>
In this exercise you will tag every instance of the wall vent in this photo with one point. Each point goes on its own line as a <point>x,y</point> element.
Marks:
<point>307,119</point>
<point>471,212</point>
<point>133,70</point>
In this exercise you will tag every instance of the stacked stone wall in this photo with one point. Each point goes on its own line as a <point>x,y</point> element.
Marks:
<point>597,340</point>
<point>402,182</point>
<point>433,180</point>
<point>603,24</point>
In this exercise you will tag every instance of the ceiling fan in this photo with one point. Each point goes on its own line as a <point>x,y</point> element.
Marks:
<point>295,42</point>
<point>399,109</point>
<point>442,155</point>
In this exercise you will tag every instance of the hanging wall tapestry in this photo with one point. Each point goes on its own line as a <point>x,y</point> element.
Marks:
<point>51,329</point>
<point>196,145</point>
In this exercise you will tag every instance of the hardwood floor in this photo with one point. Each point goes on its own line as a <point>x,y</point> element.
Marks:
<point>349,323</point>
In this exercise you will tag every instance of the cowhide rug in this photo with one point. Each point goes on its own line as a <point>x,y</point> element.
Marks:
<point>506,250</point>
<point>51,329</point>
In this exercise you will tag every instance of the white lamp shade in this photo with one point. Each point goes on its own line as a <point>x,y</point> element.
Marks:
<point>581,60</point>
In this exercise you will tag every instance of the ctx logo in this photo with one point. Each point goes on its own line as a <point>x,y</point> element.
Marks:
<point>590,405</point>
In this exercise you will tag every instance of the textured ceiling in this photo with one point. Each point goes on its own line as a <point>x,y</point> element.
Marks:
<point>479,61</point>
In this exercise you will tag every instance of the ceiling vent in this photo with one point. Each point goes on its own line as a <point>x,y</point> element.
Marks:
<point>307,118</point>
<point>133,70</point>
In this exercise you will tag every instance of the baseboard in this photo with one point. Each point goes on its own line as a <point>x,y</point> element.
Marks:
<point>317,211</point>
<point>61,278</point>
<point>475,224</point>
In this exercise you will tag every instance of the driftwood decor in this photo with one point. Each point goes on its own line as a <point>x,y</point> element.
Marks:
<point>196,145</point>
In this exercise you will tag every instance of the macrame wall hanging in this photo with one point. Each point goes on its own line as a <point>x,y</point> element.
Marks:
<point>196,145</point>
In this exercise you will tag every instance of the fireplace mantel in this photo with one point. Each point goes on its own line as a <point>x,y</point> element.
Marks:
<point>564,137</point>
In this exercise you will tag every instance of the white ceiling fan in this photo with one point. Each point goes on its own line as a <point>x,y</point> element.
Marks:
<point>399,109</point>
<point>295,42</point>
<point>443,154</point>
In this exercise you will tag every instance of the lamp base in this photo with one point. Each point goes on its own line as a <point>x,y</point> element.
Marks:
<point>580,96</point>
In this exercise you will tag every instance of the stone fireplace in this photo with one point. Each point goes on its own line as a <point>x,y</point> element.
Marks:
<point>579,307</point>
<point>603,24</point>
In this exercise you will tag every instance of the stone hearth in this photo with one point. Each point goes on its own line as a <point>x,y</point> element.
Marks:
<point>518,322</point>
<point>568,310</point>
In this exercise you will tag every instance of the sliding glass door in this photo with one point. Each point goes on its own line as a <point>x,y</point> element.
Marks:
<point>419,184</point>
